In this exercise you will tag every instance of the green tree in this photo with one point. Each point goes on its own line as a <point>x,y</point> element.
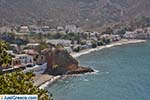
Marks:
<point>108,31</point>
<point>94,45</point>
<point>5,59</point>
<point>20,83</point>
<point>42,46</point>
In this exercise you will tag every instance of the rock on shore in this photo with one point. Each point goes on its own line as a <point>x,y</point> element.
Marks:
<point>81,70</point>
<point>60,62</point>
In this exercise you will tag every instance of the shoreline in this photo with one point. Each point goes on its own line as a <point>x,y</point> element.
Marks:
<point>117,43</point>
<point>53,79</point>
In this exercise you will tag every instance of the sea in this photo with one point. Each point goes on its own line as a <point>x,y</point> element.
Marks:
<point>121,73</point>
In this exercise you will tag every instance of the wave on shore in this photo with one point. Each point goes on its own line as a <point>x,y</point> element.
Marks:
<point>50,82</point>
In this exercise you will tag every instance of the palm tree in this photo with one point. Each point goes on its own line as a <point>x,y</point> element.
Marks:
<point>5,59</point>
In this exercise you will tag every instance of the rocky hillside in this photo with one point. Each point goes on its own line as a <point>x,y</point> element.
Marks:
<point>85,13</point>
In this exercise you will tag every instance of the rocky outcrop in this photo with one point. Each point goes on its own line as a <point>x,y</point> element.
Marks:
<point>80,70</point>
<point>60,62</point>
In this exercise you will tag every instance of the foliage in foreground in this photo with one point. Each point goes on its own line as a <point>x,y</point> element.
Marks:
<point>5,59</point>
<point>20,83</point>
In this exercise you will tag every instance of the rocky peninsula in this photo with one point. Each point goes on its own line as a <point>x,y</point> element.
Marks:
<point>62,64</point>
<point>59,64</point>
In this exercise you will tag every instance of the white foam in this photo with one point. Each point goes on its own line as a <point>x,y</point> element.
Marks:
<point>85,80</point>
<point>49,82</point>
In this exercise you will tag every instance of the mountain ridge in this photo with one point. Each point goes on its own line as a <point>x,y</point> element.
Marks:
<point>84,13</point>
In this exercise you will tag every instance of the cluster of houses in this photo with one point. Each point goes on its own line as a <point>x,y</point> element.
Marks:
<point>25,58</point>
<point>27,55</point>
<point>35,29</point>
<point>142,33</point>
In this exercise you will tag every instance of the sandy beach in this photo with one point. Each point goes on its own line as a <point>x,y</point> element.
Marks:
<point>121,42</point>
<point>44,80</point>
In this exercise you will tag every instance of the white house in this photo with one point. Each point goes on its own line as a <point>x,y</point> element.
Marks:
<point>115,37</point>
<point>59,41</point>
<point>33,45</point>
<point>60,28</point>
<point>45,29</point>
<point>72,29</point>
<point>24,58</point>
<point>35,29</point>
<point>130,34</point>
<point>24,29</point>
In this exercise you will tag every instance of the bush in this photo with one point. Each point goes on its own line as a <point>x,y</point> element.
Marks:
<point>94,45</point>
<point>20,83</point>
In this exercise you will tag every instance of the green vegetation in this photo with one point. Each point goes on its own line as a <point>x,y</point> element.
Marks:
<point>20,83</point>
<point>77,49</point>
<point>106,40</point>
<point>5,59</point>
<point>94,45</point>
<point>108,31</point>
<point>42,46</point>
<point>17,82</point>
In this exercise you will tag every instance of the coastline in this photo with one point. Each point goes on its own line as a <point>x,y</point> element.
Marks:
<point>48,81</point>
<point>117,43</point>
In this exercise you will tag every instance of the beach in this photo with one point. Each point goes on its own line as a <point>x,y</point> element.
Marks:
<point>117,43</point>
<point>42,81</point>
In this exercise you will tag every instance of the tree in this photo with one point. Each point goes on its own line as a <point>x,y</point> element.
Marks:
<point>108,31</point>
<point>20,83</point>
<point>94,45</point>
<point>100,43</point>
<point>42,46</point>
<point>5,59</point>
<point>106,40</point>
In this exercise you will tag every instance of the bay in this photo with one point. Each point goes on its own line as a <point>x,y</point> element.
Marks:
<point>122,73</point>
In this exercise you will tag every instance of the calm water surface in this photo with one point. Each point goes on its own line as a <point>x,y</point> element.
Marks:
<point>123,74</point>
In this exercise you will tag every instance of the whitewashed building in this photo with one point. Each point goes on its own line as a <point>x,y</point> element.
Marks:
<point>32,45</point>
<point>130,35</point>
<point>24,58</point>
<point>24,29</point>
<point>45,29</point>
<point>35,29</point>
<point>72,29</point>
<point>59,41</point>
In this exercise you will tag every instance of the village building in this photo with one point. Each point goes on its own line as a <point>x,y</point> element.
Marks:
<point>14,48</point>
<point>32,45</point>
<point>35,29</point>
<point>60,28</point>
<point>73,29</point>
<point>45,29</point>
<point>129,35</point>
<point>30,52</point>
<point>24,29</point>
<point>59,42</point>
<point>24,58</point>
<point>115,38</point>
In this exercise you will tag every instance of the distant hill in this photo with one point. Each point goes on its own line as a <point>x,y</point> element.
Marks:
<point>85,13</point>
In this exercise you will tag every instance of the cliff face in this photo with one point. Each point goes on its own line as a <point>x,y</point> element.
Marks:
<point>61,62</point>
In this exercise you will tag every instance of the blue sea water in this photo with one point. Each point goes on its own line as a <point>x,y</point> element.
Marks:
<point>123,74</point>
